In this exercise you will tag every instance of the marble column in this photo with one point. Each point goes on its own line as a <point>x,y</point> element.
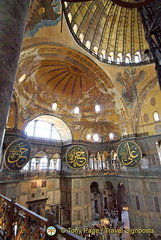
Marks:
<point>13,15</point>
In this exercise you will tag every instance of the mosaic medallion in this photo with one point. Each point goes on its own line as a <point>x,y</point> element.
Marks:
<point>129,154</point>
<point>17,155</point>
<point>76,157</point>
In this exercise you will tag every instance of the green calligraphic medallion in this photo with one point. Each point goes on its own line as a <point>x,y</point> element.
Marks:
<point>17,155</point>
<point>129,154</point>
<point>76,157</point>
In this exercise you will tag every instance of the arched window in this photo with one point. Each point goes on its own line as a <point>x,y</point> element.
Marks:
<point>88,44</point>
<point>81,37</point>
<point>137,57</point>
<point>96,137</point>
<point>33,164</point>
<point>70,17</point>
<point>128,58</point>
<point>111,136</point>
<point>66,4</point>
<point>97,108</point>
<point>88,137</point>
<point>111,56</point>
<point>42,129</point>
<point>48,127</point>
<point>119,58</point>
<point>76,110</point>
<point>22,78</point>
<point>156,116</point>
<point>43,163</point>
<point>95,50</point>
<point>54,106</point>
<point>75,28</point>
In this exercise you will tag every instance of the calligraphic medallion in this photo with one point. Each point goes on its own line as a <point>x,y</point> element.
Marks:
<point>17,155</point>
<point>76,157</point>
<point>129,154</point>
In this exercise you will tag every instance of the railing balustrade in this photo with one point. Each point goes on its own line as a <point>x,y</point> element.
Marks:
<point>19,223</point>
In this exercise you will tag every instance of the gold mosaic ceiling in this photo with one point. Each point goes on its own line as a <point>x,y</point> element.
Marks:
<point>59,74</point>
<point>109,28</point>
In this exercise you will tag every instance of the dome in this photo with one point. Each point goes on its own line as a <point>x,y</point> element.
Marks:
<point>110,32</point>
<point>101,132</point>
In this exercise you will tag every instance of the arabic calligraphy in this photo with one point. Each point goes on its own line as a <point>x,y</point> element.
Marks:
<point>17,155</point>
<point>129,154</point>
<point>76,157</point>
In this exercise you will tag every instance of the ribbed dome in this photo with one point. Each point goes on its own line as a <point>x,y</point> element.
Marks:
<point>104,131</point>
<point>66,75</point>
<point>108,31</point>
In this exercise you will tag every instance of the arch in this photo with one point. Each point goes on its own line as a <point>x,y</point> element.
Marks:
<point>54,128</point>
<point>95,49</point>
<point>128,58</point>
<point>81,37</point>
<point>70,17</point>
<point>119,58</point>
<point>95,201</point>
<point>137,57</point>
<point>156,116</point>
<point>40,161</point>
<point>75,28</point>
<point>121,200</point>
<point>88,44</point>
<point>94,187</point>
<point>109,196</point>
<point>91,161</point>
<point>111,57</point>
<point>55,162</point>
<point>76,110</point>
<point>144,162</point>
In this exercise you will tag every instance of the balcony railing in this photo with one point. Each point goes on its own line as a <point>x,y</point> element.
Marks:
<point>19,223</point>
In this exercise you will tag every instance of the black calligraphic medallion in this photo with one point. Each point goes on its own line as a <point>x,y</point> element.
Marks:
<point>129,154</point>
<point>76,157</point>
<point>17,155</point>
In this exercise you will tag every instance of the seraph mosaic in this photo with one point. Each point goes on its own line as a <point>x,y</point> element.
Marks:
<point>46,13</point>
<point>129,80</point>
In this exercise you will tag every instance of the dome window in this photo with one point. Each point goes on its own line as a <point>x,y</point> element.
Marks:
<point>75,28</point>
<point>156,116</point>
<point>111,57</point>
<point>128,58</point>
<point>97,108</point>
<point>81,37</point>
<point>54,106</point>
<point>70,17</point>
<point>137,57</point>
<point>95,50</point>
<point>88,137</point>
<point>76,110</point>
<point>96,137</point>
<point>88,44</point>
<point>111,136</point>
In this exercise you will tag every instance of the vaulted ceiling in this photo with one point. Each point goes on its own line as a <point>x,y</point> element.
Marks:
<point>56,72</point>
